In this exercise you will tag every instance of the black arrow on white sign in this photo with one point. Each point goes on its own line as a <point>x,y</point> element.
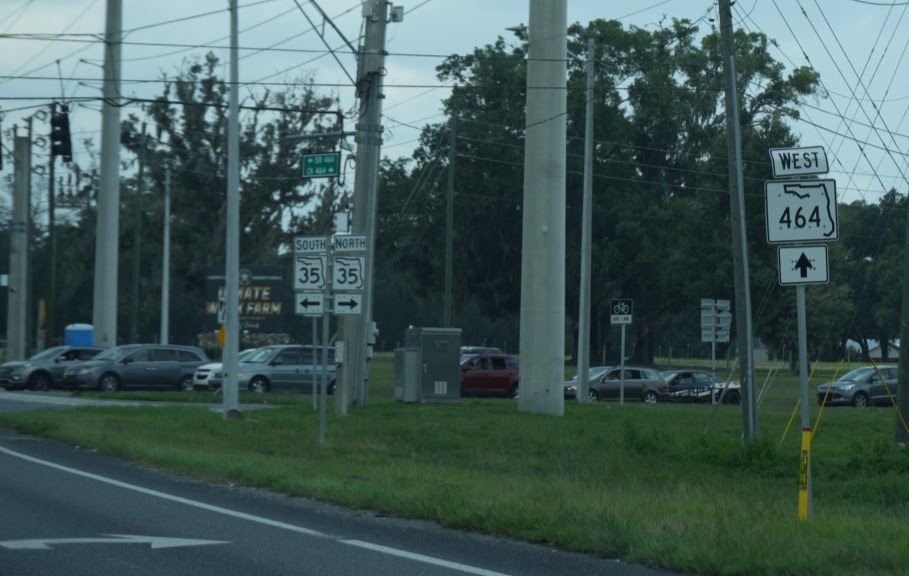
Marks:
<point>803,264</point>
<point>307,303</point>
<point>349,303</point>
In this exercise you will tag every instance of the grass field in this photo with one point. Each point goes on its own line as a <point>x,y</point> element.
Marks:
<point>643,483</point>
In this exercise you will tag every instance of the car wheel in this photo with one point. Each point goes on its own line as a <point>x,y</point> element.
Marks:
<point>109,383</point>
<point>860,400</point>
<point>186,384</point>
<point>258,385</point>
<point>650,397</point>
<point>514,392</point>
<point>39,381</point>
<point>732,397</point>
<point>592,395</point>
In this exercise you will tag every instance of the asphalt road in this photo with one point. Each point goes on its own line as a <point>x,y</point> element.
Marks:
<point>65,510</point>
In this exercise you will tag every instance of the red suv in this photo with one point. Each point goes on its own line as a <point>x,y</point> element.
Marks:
<point>489,375</point>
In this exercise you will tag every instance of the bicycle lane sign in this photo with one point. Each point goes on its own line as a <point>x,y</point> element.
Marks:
<point>621,310</point>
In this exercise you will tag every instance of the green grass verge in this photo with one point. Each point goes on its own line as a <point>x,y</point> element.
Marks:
<point>641,483</point>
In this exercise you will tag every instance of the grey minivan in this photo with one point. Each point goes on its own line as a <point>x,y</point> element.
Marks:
<point>138,366</point>
<point>287,367</point>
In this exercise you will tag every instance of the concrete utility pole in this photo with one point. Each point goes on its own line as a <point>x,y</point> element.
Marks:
<point>104,306</point>
<point>739,237</point>
<point>229,389</point>
<point>369,146</point>
<point>586,233</point>
<point>165,265</point>
<point>449,219</point>
<point>902,393</point>
<point>137,246</point>
<point>52,238</point>
<point>17,301</point>
<point>542,343</point>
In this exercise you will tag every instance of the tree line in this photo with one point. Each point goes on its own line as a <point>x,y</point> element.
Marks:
<point>661,232</point>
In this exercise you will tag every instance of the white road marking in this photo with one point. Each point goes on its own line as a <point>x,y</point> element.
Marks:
<point>421,558</point>
<point>154,541</point>
<point>465,568</point>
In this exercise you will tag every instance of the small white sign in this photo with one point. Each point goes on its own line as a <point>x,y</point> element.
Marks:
<point>309,303</point>
<point>310,245</point>
<point>348,243</point>
<point>801,211</point>
<point>348,303</point>
<point>310,272</point>
<point>803,265</point>
<point>798,161</point>
<point>621,310</point>
<point>348,272</point>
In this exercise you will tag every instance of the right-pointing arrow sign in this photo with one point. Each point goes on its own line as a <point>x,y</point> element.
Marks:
<point>803,265</point>
<point>348,303</point>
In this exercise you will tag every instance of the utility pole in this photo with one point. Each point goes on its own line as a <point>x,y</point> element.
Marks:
<point>137,246</point>
<point>165,265</point>
<point>52,238</point>
<point>230,388</point>
<point>902,393</point>
<point>17,301</point>
<point>739,237</point>
<point>370,71</point>
<point>104,307</point>
<point>542,343</point>
<point>586,233</point>
<point>449,219</point>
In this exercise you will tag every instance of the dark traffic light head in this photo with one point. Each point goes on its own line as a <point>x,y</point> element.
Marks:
<point>61,143</point>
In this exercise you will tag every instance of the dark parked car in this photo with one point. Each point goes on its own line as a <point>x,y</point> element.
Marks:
<point>45,369</point>
<point>288,367</point>
<point>861,387</point>
<point>489,375</point>
<point>605,383</point>
<point>137,366</point>
<point>700,386</point>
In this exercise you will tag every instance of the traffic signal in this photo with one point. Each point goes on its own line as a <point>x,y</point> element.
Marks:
<point>61,145</point>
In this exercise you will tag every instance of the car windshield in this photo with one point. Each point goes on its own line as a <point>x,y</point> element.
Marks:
<point>466,357</point>
<point>668,374</point>
<point>114,353</point>
<point>594,372</point>
<point>49,353</point>
<point>856,374</point>
<point>260,355</point>
<point>246,354</point>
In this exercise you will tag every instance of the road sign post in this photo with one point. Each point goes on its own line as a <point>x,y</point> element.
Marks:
<point>800,211</point>
<point>620,313</point>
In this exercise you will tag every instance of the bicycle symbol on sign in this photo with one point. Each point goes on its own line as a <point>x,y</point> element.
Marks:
<point>621,307</point>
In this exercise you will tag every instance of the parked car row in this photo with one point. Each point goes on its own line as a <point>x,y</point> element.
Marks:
<point>292,368</point>
<point>45,369</point>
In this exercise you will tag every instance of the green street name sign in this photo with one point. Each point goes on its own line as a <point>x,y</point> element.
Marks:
<point>323,165</point>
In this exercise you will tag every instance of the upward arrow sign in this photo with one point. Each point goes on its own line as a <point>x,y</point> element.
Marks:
<point>803,264</point>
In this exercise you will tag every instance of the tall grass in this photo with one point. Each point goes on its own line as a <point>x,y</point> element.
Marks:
<point>639,482</point>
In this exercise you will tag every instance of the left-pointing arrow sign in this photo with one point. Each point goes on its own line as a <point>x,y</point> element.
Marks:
<point>153,541</point>
<point>310,303</point>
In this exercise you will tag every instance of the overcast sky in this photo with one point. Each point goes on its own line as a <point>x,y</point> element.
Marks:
<point>51,50</point>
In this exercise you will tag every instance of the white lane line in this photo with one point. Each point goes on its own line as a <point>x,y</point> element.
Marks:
<point>465,568</point>
<point>165,496</point>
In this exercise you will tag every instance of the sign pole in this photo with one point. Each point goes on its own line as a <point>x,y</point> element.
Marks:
<point>622,370</point>
<point>315,358</point>
<point>805,471</point>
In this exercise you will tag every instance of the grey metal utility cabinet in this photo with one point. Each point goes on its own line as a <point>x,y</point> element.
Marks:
<point>427,368</point>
